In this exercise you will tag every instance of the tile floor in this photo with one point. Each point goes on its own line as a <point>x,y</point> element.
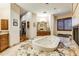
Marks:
<point>18,51</point>
<point>11,51</point>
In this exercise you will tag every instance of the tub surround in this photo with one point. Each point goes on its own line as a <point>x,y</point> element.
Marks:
<point>28,50</point>
<point>49,43</point>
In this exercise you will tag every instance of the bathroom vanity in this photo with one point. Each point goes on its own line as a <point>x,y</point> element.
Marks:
<point>4,34</point>
<point>4,41</point>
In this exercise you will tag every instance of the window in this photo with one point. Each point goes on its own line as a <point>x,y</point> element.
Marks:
<point>60,24</point>
<point>64,24</point>
<point>68,24</point>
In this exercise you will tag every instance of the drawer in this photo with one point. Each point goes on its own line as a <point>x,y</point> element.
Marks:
<point>4,39</point>
<point>4,43</point>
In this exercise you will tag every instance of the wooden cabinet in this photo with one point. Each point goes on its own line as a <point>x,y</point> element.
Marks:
<point>4,24</point>
<point>4,38</point>
<point>76,34</point>
<point>43,33</point>
<point>4,42</point>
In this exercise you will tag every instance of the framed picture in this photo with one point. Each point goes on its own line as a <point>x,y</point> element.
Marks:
<point>15,22</point>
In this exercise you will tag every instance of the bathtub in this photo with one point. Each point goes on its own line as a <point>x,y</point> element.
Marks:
<point>48,43</point>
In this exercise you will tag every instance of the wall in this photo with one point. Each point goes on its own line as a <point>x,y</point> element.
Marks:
<point>33,29</point>
<point>74,5</point>
<point>43,19</point>
<point>64,15</point>
<point>4,11</point>
<point>27,17</point>
<point>75,14</point>
<point>49,19</point>
<point>10,12</point>
<point>52,24</point>
<point>55,26</point>
<point>14,30</point>
<point>59,17</point>
<point>75,17</point>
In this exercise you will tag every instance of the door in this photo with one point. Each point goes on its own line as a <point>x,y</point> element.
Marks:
<point>4,42</point>
<point>23,32</point>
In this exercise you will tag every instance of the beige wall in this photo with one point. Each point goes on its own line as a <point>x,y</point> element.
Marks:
<point>75,10</point>
<point>55,24</point>
<point>52,24</point>
<point>64,15</point>
<point>75,17</point>
<point>74,5</point>
<point>10,12</point>
<point>33,29</point>
<point>75,14</point>
<point>4,10</point>
<point>14,30</point>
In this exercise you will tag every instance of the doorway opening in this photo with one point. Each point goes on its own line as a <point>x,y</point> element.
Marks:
<point>23,35</point>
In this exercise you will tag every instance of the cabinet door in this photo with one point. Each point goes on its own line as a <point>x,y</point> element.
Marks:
<point>78,36</point>
<point>4,42</point>
<point>0,43</point>
<point>75,35</point>
<point>4,24</point>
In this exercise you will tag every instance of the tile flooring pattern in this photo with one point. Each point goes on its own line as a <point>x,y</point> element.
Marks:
<point>26,49</point>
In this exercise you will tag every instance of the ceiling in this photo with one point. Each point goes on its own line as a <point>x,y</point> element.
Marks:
<point>52,8</point>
